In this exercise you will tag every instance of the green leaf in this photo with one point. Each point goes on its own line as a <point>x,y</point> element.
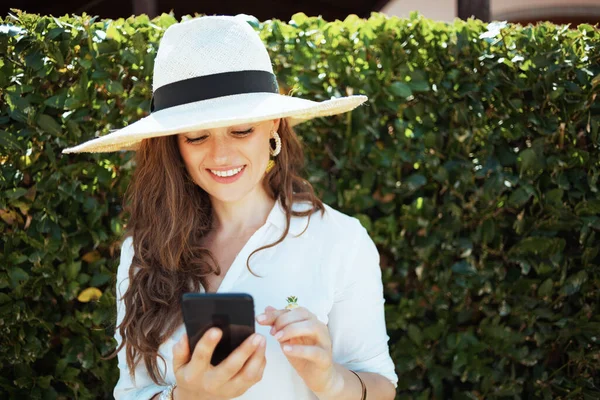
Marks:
<point>35,60</point>
<point>49,124</point>
<point>545,288</point>
<point>519,197</point>
<point>44,381</point>
<point>57,101</point>
<point>4,298</point>
<point>58,57</point>
<point>554,197</point>
<point>530,161</point>
<point>415,181</point>
<point>573,283</point>
<point>538,245</point>
<point>414,333</point>
<point>463,268</point>
<point>113,33</point>
<point>115,88</point>
<point>100,279</point>
<point>17,275</point>
<point>9,141</point>
<point>15,193</point>
<point>400,89</point>
<point>419,86</point>
<point>54,33</point>
<point>588,256</point>
<point>72,269</point>
<point>166,20</point>
<point>587,28</point>
<point>298,19</point>
<point>588,207</point>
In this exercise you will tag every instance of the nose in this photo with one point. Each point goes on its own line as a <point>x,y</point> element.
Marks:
<point>221,150</point>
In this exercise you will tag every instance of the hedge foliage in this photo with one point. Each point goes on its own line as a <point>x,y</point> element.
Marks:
<point>474,167</point>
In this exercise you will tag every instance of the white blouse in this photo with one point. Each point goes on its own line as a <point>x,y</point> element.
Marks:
<point>333,270</point>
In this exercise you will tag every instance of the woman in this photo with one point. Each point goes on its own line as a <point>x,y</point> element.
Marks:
<point>217,205</point>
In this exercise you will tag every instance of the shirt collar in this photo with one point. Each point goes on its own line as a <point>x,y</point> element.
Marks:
<point>297,224</point>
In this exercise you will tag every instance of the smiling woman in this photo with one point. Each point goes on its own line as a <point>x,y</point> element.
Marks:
<point>216,158</point>
<point>217,204</point>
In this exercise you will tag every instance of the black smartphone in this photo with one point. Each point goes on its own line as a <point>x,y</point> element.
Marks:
<point>233,313</point>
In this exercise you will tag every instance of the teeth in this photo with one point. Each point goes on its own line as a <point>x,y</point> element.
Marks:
<point>225,174</point>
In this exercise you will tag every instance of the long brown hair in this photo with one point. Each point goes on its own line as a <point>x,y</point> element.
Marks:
<point>169,216</point>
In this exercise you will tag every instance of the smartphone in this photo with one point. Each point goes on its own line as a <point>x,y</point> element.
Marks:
<point>233,313</point>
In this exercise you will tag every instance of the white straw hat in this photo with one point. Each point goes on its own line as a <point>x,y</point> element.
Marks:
<point>213,72</point>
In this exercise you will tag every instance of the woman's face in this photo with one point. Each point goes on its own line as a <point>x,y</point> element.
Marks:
<point>228,163</point>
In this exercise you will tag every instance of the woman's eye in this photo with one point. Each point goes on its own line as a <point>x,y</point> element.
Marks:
<point>195,140</point>
<point>243,133</point>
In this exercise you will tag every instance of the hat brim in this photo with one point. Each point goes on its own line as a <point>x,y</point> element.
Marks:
<point>216,113</point>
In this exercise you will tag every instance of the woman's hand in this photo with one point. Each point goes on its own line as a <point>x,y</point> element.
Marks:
<point>197,378</point>
<point>306,343</point>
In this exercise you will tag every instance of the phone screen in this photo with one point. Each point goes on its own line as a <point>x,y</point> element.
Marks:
<point>233,313</point>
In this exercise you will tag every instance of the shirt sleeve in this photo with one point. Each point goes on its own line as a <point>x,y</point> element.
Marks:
<point>357,320</point>
<point>126,389</point>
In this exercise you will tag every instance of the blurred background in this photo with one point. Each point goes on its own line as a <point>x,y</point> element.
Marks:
<point>558,11</point>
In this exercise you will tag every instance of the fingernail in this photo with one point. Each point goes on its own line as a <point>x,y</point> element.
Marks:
<point>287,348</point>
<point>261,318</point>
<point>272,330</point>
<point>256,340</point>
<point>279,335</point>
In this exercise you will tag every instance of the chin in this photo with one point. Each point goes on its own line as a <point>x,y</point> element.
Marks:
<point>233,192</point>
<point>226,198</point>
<point>228,195</point>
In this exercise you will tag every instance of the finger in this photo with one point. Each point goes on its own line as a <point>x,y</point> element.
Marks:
<point>307,328</point>
<point>181,352</point>
<point>269,316</point>
<point>229,367</point>
<point>295,315</point>
<point>253,369</point>
<point>205,348</point>
<point>315,354</point>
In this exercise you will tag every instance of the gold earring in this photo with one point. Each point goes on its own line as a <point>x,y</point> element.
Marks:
<point>270,165</point>
<point>275,151</point>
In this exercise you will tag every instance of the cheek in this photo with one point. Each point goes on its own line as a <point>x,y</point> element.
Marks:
<point>190,160</point>
<point>260,148</point>
<point>183,151</point>
<point>189,155</point>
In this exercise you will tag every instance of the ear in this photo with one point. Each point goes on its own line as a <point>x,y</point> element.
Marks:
<point>276,123</point>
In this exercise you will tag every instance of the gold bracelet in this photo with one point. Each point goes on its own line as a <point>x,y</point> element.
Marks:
<point>363,386</point>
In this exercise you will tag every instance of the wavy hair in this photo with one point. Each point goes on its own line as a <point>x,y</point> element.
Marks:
<point>169,216</point>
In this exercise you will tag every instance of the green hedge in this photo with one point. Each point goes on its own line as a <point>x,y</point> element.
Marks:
<point>474,167</point>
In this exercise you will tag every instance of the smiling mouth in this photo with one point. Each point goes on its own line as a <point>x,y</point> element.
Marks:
<point>226,173</point>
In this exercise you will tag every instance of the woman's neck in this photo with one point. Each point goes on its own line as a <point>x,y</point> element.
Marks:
<point>232,219</point>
